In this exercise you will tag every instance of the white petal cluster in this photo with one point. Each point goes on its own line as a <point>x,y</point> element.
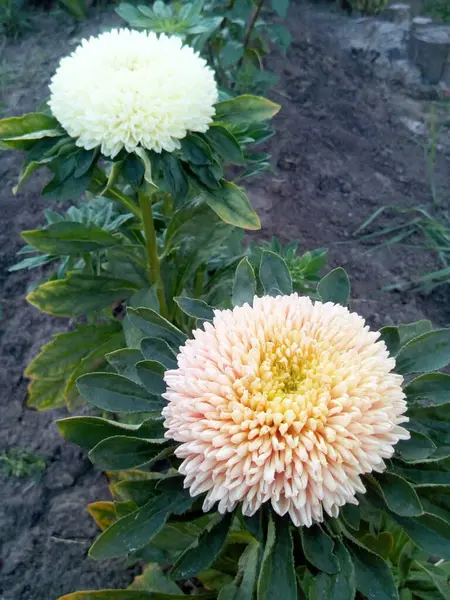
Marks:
<point>125,89</point>
<point>287,402</point>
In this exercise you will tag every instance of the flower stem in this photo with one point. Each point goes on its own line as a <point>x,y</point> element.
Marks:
<point>249,31</point>
<point>153,263</point>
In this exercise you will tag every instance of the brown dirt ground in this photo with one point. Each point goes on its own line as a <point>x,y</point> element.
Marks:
<point>340,153</point>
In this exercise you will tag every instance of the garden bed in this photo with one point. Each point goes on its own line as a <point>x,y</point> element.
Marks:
<point>340,153</point>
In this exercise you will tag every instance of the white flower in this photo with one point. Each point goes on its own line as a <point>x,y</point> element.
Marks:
<point>125,89</point>
<point>287,402</point>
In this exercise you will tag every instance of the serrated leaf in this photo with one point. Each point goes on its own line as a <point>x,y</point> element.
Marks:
<point>232,205</point>
<point>244,285</point>
<point>277,578</point>
<point>246,110</point>
<point>195,308</point>
<point>80,294</point>
<point>151,374</point>
<point>119,452</point>
<point>205,549</point>
<point>318,549</point>
<point>116,393</point>
<point>335,287</point>
<point>137,529</point>
<point>427,352</point>
<point>274,274</point>
<point>87,432</point>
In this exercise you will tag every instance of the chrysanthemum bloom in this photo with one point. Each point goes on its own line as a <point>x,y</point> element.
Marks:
<point>125,89</point>
<point>288,402</point>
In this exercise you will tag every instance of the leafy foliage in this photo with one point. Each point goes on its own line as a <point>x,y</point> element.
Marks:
<point>377,549</point>
<point>18,462</point>
<point>369,7</point>
<point>232,35</point>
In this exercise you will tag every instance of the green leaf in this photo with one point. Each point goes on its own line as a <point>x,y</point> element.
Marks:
<point>154,325</point>
<point>120,452</point>
<point>427,352</point>
<point>242,588</point>
<point>22,132</point>
<point>151,373</point>
<point>400,496</point>
<point>351,515</point>
<point>128,595</point>
<point>136,529</point>
<point>225,145</point>
<point>69,237</point>
<point>335,287</point>
<point>280,7</point>
<point>175,177</point>
<point>195,150</point>
<point>124,362</point>
<point>79,294</point>
<point>87,432</point>
<point>432,389</point>
<point>438,577</point>
<point>429,532</point>
<point>153,579</point>
<point>277,578</point>
<point>274,274</point>
<point>244,285</point>
<point>411,330</point>
<point>230,54</point>
<point>159,350</point>
<point>232,205</point>
<point>116,393</point>
<point>418,447</point>
<point>382,544</point>
<point>246,110</point>
<point>204,550</point>
<point>195,308</point>
<point>318,549</point>
<point>373,577</point>
<point>103,513</point>
<point>343,583</point>
<point>51,371</point>
<point>390,336</point>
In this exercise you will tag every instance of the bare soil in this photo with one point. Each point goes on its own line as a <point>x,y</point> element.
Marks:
<point>340,152</point>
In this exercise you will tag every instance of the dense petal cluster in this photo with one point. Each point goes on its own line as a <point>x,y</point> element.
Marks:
<point>125,89</point>
<point>288,401</point>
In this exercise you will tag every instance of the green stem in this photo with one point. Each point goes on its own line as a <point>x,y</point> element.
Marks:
<point>99,180</point>
<point>248,33</point>
<point>153,263</point>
